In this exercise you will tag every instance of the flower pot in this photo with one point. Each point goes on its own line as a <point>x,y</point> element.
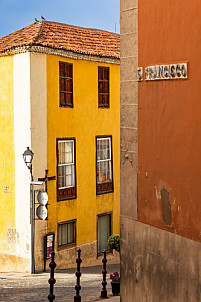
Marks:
<point>115,288</point>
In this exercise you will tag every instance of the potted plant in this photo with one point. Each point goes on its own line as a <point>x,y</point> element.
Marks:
<point>115,277</point>
<point>114,242</point>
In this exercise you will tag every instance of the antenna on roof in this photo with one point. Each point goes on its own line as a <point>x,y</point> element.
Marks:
<point>42,17</point>
<point>115,27</point>
<point>36,20</point>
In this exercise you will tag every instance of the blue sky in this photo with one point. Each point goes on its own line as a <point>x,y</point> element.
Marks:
<point>102,14</point>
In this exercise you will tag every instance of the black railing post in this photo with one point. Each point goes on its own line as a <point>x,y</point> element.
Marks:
<point>78,274</point>
<point>52,281</point>
<point>104,272</point>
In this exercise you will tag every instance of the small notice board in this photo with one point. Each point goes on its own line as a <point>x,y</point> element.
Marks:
<point>48,247</point>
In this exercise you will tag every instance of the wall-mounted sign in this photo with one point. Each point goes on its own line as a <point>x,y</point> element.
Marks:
<point>49,240</point>
<point>42,198</point>
<point>163,72</point>
<point>6,189</point>
<point>49,245</point>
<point>41,212</point>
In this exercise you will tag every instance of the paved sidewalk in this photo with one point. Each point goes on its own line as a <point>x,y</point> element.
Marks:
<point>35,288</point>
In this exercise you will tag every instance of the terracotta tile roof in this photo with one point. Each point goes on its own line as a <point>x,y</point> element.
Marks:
<point>66,37</point>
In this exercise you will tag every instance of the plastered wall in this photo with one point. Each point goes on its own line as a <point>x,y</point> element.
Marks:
<point>84,121</point>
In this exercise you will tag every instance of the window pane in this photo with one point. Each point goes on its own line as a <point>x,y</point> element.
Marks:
<point>103,232</point>
<point>60,170</point>
<point>70,233</point>
<point>68,181</point>
<point>100,73</point>
<point>100,87</point>
<point>101,149</point>
<point>60,181</point>
<point>69,85</point>
<point>68,170</point>
<point>59,152</point>
<point>69,146</point>
<point>69,98</point>
<point>69,153</point>
<point>106,149</point>
<point>60,235</point>
<point>62,97</point>
<point>98,172</point>
<point>69,70</point>
<point>106,73</point>
<point>61,69</point>
<point>105,99</point>
<point>69,157</point>
<point>64,234</point>
<point>108,171</point>
<point>62,153</point>
<point>106,87</point>
<point>100,99</point>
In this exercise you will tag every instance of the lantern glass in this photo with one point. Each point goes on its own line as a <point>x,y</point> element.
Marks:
<point>28,157</point>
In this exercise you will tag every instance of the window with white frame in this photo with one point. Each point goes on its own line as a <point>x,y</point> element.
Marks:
<point>104,173</point>
<point>66,180</point>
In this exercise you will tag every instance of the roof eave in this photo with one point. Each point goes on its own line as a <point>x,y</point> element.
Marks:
<point>39,48</point>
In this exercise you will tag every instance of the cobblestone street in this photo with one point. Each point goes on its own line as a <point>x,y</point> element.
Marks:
<point>25,287</point>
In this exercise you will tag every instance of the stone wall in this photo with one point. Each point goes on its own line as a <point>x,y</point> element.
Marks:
<point>66,258</point>
<point>157,265</point>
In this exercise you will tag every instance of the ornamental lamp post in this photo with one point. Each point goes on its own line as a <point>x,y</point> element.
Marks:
<point>28,157</point>
<point>42,199</point>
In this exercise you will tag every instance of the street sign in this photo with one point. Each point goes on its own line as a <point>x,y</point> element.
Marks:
<point>42,198</point>
<point>41,212</point>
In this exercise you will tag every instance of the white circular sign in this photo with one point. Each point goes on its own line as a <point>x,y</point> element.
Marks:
<point>42,198</point>
<point>41,212</point>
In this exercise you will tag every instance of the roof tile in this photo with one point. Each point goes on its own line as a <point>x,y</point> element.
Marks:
<point>66,37</point>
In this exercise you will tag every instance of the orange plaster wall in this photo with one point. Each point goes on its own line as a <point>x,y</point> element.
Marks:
<point>170,116</point>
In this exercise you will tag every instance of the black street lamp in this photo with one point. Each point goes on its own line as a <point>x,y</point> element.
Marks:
<point>28,157</point>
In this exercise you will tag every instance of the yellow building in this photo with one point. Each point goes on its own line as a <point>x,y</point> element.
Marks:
<point>59,95</point>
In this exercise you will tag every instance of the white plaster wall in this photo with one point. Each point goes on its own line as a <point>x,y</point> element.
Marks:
<point>22,139</point>
<point>39,139</point>
<point>38,113</point>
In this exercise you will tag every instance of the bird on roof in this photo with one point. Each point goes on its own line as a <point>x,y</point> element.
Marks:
<point>36,20</point>
<point>42,17</point>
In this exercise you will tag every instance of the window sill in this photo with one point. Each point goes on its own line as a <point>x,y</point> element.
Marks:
<point>67,193</point>
<point>66,105</point>
<point>104,192</point>
<point>104,188</point>
<point>66,198</point>
<point>107,252</point>
<point>66,246</point>
<point>104,107</point>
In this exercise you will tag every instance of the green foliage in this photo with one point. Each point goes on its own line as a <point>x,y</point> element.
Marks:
<point>114,242</point>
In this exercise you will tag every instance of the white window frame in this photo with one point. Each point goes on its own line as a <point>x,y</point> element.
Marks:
<point>67,164</point>
<point>105,160</point>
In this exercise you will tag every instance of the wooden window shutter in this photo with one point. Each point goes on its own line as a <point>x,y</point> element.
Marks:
<point>103,87</point>
<point>66,84</point>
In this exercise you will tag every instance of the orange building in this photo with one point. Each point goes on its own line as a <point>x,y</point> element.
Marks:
<point>160,151</point>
